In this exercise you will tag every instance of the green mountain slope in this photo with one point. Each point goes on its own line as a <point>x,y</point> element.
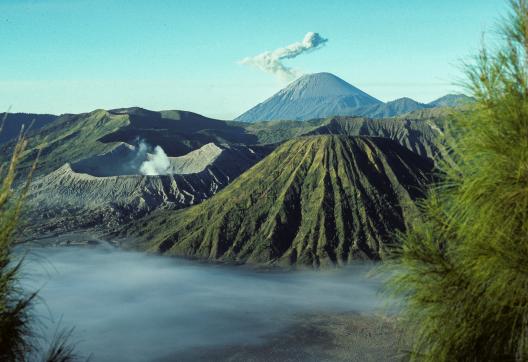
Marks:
<point>73,137</point>
<point>69,138</point>
<point>314,201</point>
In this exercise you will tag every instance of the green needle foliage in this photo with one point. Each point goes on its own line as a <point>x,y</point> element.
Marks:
<point>18,340</point>
<point>15,306</point>
<point>463,266</point>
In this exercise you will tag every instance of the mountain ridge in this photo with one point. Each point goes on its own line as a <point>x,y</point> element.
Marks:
<point>322,95</point>
<point>73,137</point>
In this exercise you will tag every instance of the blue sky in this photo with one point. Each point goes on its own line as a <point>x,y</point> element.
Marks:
<point>61,56</point>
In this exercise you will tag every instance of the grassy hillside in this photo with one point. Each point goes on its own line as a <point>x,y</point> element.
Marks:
<point>72,137</point>
<point>314,201</point>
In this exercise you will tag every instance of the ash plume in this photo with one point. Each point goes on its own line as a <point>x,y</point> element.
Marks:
<point>271,61</point>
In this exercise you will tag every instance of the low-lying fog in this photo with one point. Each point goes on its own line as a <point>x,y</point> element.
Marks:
<point>130,306</point>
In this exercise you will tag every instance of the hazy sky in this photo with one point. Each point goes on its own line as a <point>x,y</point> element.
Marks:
<point>62,56</point>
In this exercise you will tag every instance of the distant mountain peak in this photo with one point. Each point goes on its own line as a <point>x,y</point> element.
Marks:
<point>311,96</point>
<point>318,85</point>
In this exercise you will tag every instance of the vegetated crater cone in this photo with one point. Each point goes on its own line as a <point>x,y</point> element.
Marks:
<point>314,201</point>
<point>311,96</point>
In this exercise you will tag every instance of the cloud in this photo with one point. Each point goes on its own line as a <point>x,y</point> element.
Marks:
<point>128,306</point>
<point>271,61</point>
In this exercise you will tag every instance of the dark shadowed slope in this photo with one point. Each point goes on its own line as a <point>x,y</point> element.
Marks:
<point>15,121</point>
<point>319,200</point>
<point>177,132</point>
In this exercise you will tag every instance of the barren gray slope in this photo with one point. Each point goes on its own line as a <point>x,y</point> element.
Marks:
<point>70,198</point>
<point>195,161</point>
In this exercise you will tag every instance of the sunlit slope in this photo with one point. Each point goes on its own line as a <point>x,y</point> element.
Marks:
<point>69,138</point>
<point>318,200</point>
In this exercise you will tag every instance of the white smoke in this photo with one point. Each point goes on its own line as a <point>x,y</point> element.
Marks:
<point>139,156</point>
<point>270,61</point>
<point>157,163</point>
